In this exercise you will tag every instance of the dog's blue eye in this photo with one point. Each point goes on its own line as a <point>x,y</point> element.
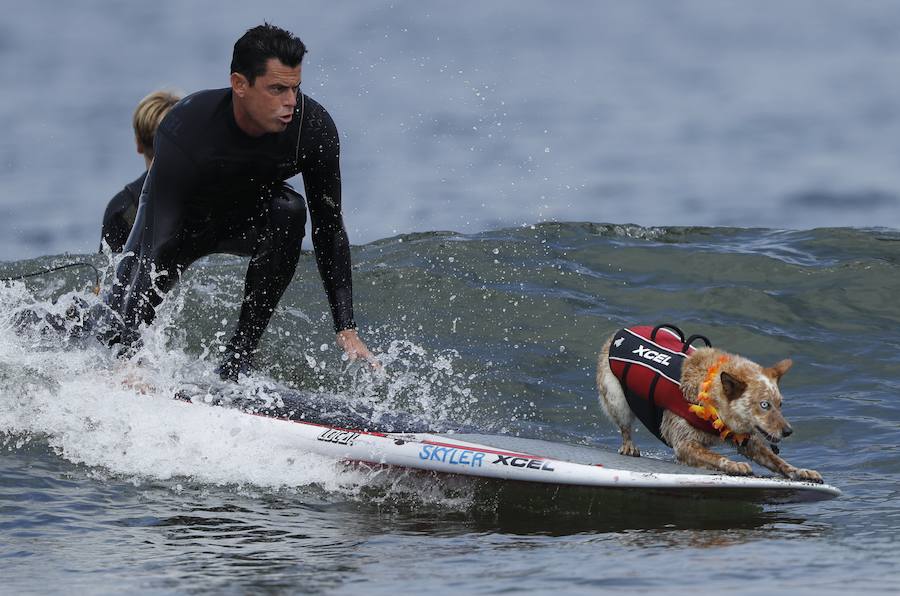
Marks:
<point>764,405</point>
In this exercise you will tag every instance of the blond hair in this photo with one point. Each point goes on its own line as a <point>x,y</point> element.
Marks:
<point>147,116</point>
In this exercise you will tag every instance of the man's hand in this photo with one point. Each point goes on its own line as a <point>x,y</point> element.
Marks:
<point>349,341</point>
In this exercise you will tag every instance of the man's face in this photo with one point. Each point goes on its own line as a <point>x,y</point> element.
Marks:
<point>267,105</point>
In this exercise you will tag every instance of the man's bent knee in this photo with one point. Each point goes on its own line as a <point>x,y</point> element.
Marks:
<point>288,212</point>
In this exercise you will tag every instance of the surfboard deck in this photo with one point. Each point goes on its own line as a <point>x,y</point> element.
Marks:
<point>350,437</point>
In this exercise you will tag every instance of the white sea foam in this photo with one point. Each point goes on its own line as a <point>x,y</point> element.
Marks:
<point>119,417</point>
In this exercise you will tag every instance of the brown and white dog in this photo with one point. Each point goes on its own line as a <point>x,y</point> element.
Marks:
<point>737,399</point>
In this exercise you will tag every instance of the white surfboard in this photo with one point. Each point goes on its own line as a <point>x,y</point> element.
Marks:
<point>517,459</point>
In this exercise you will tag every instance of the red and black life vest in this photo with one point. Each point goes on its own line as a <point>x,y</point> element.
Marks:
<point>647,361</point>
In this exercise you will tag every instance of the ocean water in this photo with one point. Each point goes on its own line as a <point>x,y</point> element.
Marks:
<point>521,180</point>
<point>109,484</point>
<point>485,115</point>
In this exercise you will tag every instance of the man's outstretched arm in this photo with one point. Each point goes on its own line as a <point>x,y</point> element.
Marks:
<point>322,180</point>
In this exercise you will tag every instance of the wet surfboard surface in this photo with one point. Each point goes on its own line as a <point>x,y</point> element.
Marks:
<point>331,429</point>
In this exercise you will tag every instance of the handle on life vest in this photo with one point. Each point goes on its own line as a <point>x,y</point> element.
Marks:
<point>667,326</point>
<point>694,338</point>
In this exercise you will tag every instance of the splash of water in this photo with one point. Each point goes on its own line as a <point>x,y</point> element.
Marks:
<point>63,389</point>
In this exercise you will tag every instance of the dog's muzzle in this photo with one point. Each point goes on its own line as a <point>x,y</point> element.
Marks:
<point>771,438</point>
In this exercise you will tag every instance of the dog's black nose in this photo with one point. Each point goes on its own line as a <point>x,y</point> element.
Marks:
<point>787,431</point>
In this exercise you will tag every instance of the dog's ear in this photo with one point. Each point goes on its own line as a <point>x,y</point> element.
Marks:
<point>733,386</point>
<point>776,371</point>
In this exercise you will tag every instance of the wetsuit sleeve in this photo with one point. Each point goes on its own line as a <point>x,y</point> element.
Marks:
<point>119,215</point>
<point>322,180</point>
<point>115,228</point>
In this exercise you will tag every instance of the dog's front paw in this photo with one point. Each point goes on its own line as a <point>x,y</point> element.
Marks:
<point>734,468</point>
<point>806,475</point>
<point>629,449</point>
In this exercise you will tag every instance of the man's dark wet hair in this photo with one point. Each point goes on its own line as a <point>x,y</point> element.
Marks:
<point>257,45</point>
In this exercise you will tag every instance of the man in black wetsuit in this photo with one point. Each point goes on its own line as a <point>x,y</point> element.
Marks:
<point>118,218</point>
<point>217,185</point>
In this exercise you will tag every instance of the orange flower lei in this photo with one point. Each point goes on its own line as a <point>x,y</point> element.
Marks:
<point>707,411</point>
